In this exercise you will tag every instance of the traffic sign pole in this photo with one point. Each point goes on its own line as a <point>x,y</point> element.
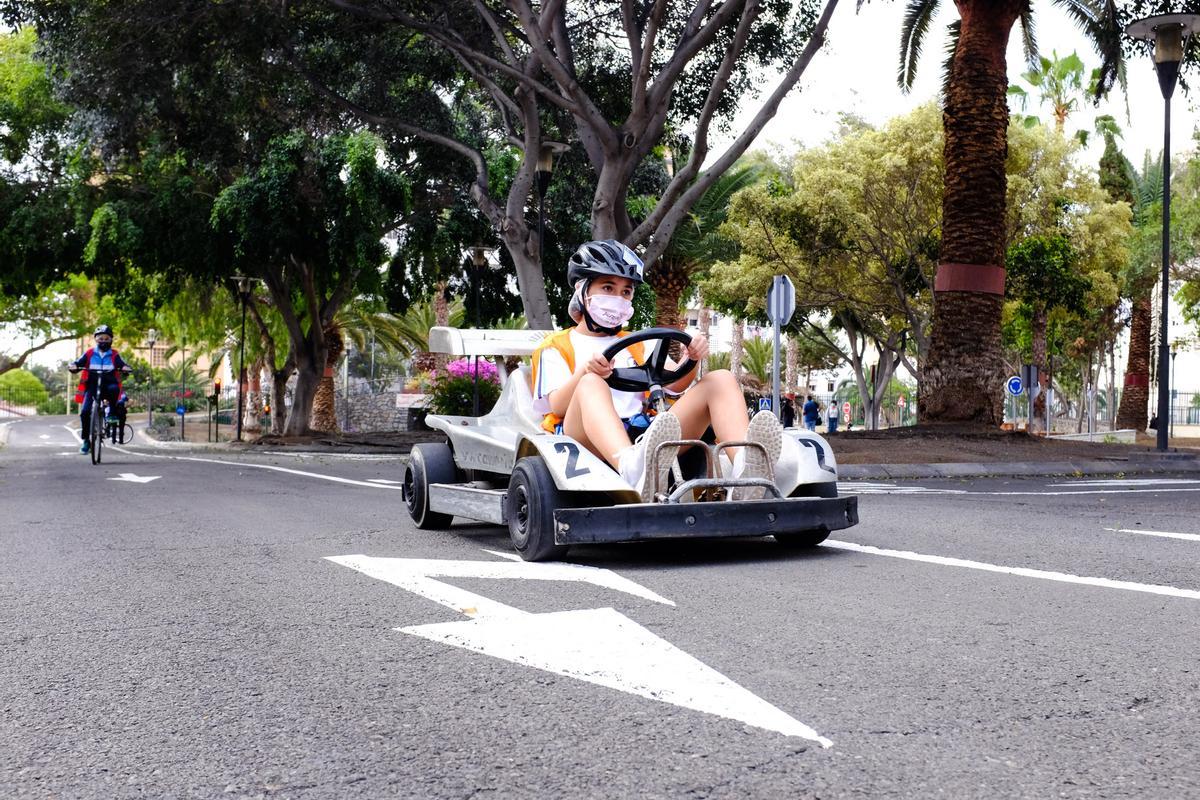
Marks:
<point>781,304</point>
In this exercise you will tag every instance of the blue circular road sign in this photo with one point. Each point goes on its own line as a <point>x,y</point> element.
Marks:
<point>1015,386</point>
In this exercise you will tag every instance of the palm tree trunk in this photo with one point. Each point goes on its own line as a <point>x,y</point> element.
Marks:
<point>669,282</point>
<point>252,410</point>
<point>736,347</point>
<point>791,373</point>
<point>964,373</point>
<point>441,315</point>
<point>1136,396</point>
<point>324,410</point>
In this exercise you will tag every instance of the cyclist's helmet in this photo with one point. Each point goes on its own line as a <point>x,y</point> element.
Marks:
<point>102,329</point>
<point>606,257</point>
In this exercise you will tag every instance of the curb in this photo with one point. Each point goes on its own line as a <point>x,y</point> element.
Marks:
<point>4,433</point>
<point>1114,466</point>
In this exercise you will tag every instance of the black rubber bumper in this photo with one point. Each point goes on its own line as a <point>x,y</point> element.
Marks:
<point>638,522</point>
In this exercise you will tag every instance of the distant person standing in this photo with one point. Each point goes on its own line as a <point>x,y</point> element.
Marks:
<point>787,412</point>
<point>831,417</point>
<point>812,413</point>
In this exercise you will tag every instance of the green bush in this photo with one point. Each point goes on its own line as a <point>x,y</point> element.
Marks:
<point>52,406</point>
<point>22,387</point>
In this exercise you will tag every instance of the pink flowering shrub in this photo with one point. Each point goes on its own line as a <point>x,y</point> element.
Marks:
<point>462,369</point>
<point>453,390</point>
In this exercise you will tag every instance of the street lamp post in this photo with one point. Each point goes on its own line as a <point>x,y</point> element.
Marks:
<point>151,338</point>
<point>1170,34</point>
<point>479,257</point>
<point>545,167</point>
<point>243,284</point>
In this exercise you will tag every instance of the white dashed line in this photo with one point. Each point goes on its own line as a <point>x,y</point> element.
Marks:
<point>1191,537</point>
<point>1025,572</point>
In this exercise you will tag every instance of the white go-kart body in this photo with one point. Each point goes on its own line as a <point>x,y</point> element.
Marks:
<point>551,492</point>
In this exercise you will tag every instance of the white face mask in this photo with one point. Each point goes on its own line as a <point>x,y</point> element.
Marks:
<point>609,311</point>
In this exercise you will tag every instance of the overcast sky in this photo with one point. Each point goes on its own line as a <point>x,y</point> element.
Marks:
<point>856,72</point>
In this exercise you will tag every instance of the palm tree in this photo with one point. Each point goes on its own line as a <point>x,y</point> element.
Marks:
<point>406,335</point>
<point>1143,191</point>
<point>965,365</point>
<point>696,243</point>
<point>1060,84</point>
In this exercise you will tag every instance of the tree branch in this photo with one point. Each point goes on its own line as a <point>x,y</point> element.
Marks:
<point>7,363</point>
<point>584,109</point>
<point>663,221</point>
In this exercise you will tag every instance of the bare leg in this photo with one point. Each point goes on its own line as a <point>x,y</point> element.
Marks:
<point>716,399</point>
<point>603,433</point>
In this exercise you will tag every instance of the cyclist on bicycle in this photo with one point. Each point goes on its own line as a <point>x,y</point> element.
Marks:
<point>102,369</point>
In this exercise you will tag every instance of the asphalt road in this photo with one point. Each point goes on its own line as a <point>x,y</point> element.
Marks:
<point>188,637</point>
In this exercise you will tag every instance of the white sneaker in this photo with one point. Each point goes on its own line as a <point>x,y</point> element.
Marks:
<point>750,461</point>
<point>631,462</point>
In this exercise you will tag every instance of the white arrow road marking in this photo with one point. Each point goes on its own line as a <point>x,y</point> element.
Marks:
<point>1062,577</point>
<point>129,476</point>
<point>1191,537</point>
<point>600,646</point>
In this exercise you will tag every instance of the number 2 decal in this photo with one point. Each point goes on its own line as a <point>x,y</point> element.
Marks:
<point>572,451</point>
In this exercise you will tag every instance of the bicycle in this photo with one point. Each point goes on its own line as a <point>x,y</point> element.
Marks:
<point>102,425</point>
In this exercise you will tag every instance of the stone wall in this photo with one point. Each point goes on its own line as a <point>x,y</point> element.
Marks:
<point>383,411</point>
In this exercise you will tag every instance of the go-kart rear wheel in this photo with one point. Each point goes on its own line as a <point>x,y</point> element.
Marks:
<point>429,462</point>
<point>529,507</point>
<point>802,540</point>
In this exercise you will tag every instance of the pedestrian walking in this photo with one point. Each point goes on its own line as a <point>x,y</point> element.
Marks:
<point>812,413</point>
<point>831,417</point>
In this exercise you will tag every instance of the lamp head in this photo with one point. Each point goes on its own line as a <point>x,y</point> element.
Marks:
<point>1170,34</point>
<point>479,255</point>
<point>151,337</point>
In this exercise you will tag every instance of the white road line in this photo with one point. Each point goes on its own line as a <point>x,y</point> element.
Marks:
<point>1191,537</point>
<point>383,480</point>
<point>269,467</point>
<point>1025,572</point>
<point>1129,482</point>
<point>907,490</point>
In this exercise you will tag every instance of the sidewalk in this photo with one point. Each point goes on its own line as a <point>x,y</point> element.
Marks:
<point>906,453</point>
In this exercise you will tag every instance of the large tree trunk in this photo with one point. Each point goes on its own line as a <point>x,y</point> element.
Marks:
<point>279,382</point>
<point>303,395</point>
<point>324,412</point>
<point>309,357</point>
<point>1136,396</point>
<point>963,377</point>
<point>530,284</point>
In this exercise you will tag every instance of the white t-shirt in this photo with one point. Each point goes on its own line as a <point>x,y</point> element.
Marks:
<point>552,373</point>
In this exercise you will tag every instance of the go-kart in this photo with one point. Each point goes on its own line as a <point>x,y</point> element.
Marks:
<point>551,492</point>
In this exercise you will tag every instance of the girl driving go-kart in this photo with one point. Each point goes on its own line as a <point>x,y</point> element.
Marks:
<point>573,386</point>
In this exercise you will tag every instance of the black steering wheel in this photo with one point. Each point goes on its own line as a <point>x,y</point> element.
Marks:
<point>653,371</point>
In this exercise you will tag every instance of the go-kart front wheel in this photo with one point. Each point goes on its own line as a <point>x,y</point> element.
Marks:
<point>429,462</point>
<point>529,507</point>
